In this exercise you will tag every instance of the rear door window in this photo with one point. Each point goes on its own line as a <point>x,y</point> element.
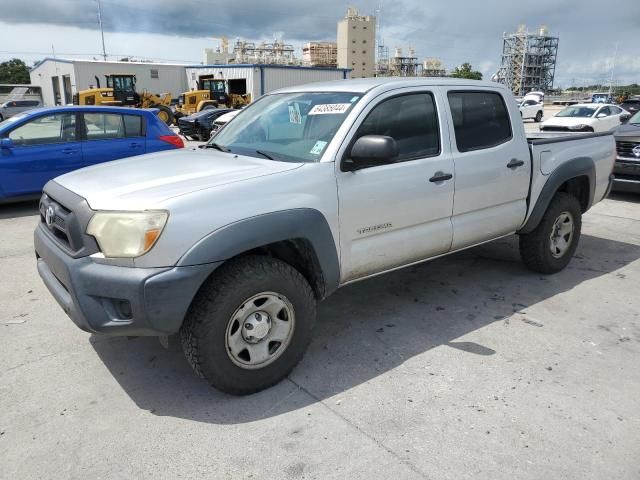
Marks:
<point>132,125</point>
<point>104,126</point>
<point>480,120</point>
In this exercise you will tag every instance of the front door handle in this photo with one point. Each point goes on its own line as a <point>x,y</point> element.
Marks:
<point>515,163</point>
<point>68,151</point>
<point>440,177</point>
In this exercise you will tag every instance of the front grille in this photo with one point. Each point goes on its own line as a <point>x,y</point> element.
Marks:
<point>61,224</point>
<point>555,129</point>
<point>625,149</point>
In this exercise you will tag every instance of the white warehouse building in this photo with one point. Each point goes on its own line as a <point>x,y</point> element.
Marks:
<point>258,79</point>
<point>60,78</point>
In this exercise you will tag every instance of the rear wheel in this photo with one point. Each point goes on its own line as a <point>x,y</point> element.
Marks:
<point>164,113</point>
<point>249,325</point>
<point>551,245</point>
<point>538,118</point>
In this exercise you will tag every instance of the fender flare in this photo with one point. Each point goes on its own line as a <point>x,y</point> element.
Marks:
<point>576,167</point>
<point>250,233</point>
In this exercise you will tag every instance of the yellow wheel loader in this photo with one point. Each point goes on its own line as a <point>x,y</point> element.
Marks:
<point>121,91</point>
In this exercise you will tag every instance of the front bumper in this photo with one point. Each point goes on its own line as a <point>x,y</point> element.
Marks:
<point>118,300</point>
<point>627,172</point>
<point>188,129</point>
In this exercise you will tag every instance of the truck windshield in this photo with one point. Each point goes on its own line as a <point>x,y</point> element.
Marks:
<point>577,112</point>
<point>290,127</point>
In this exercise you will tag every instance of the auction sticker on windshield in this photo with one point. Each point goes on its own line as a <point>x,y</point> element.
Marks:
<point>317,148</point>
<point>329,108</point>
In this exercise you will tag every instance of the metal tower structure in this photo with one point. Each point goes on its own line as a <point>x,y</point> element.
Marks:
<point>528,61</point>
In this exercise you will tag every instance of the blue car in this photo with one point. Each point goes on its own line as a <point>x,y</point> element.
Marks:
<point>41,144</point>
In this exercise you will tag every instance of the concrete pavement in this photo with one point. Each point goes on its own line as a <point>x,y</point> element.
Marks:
<point>468,366</point>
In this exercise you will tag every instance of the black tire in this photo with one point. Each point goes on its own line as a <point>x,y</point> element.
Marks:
<point>165,114</point>
<point>538,118</point>
<point>1,118</point>
<point>204,331</point>
<point>536,247</point>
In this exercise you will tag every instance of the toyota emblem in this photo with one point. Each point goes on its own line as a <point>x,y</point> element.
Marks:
<point>49,215</point>
<point>636,151</point>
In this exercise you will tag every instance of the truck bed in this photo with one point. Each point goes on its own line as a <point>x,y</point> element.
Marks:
<point>543,138</point>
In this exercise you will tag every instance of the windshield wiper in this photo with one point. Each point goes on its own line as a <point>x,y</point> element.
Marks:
<point>265,155</point>
<point>217,147</point>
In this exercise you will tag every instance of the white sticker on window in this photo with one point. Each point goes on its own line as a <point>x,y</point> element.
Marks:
<point>329,108</point>
<point>294,114</point>
<point>353,99</point>
<point>317,148</point>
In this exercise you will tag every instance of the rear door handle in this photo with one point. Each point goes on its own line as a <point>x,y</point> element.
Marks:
<point>515,163</point>
<point>440,177</point>
<point>68,151</point>
<point>134,145</point>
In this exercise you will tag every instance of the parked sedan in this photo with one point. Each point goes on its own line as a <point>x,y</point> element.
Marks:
<point>222,120</point>
<point>632,105</point>
<point>586,117</point>
<point>13,107</point>
<point>627,166</point>
<point>198,126</point>
<point>41,144</point>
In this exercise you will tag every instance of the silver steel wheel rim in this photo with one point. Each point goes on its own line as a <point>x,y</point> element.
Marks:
<point>260,330</point>
<point>561,235</point>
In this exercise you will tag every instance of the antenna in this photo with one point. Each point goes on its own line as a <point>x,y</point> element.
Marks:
<point>104,51</point>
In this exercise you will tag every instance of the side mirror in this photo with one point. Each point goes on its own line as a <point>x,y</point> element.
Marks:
<point>601,115</point>
<point>370,151</point>
<point>6,143</point>
<point>625,117</point>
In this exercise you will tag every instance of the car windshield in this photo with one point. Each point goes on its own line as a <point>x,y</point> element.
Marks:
<point>577,111</point>
<point>635,119</point>
<point>293,127</point>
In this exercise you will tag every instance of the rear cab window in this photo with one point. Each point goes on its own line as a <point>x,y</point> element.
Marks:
<point>480,119</point>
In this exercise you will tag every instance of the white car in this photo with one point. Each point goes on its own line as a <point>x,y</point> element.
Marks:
<point>586,117</point>
<point>223,120</point>
<point>532,106</point>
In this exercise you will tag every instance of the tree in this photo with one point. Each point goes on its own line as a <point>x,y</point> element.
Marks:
<point>14,71</point>
<point>465,71</point>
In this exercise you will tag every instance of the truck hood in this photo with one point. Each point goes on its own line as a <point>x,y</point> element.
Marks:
<point>143,182</point>
<point>628,130</point>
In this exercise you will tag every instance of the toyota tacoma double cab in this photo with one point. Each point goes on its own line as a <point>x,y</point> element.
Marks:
<point>309,188</point>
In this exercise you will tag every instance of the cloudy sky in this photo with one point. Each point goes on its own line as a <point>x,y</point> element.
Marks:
<point>453,30</point>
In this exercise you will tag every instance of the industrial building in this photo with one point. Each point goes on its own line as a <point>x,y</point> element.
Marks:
<point>357,43</point>
<point>257,79</point>
<point>320,54</point>
<point>528,61</point>
<point>60,78</point>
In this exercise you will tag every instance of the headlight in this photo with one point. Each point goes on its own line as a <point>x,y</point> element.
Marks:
<point>127,234</point>
<point>580,126</point>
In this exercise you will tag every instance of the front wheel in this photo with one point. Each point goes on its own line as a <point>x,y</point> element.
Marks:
<point>164,113</point>
<point>538,118</point>
<point>249,325</point>
<point>550,246</point>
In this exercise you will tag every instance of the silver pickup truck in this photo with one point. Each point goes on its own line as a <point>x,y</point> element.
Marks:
<point>306,190</point>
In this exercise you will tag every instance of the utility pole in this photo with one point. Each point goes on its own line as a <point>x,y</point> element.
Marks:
<point>613,67</point>
<point>104,51</point>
